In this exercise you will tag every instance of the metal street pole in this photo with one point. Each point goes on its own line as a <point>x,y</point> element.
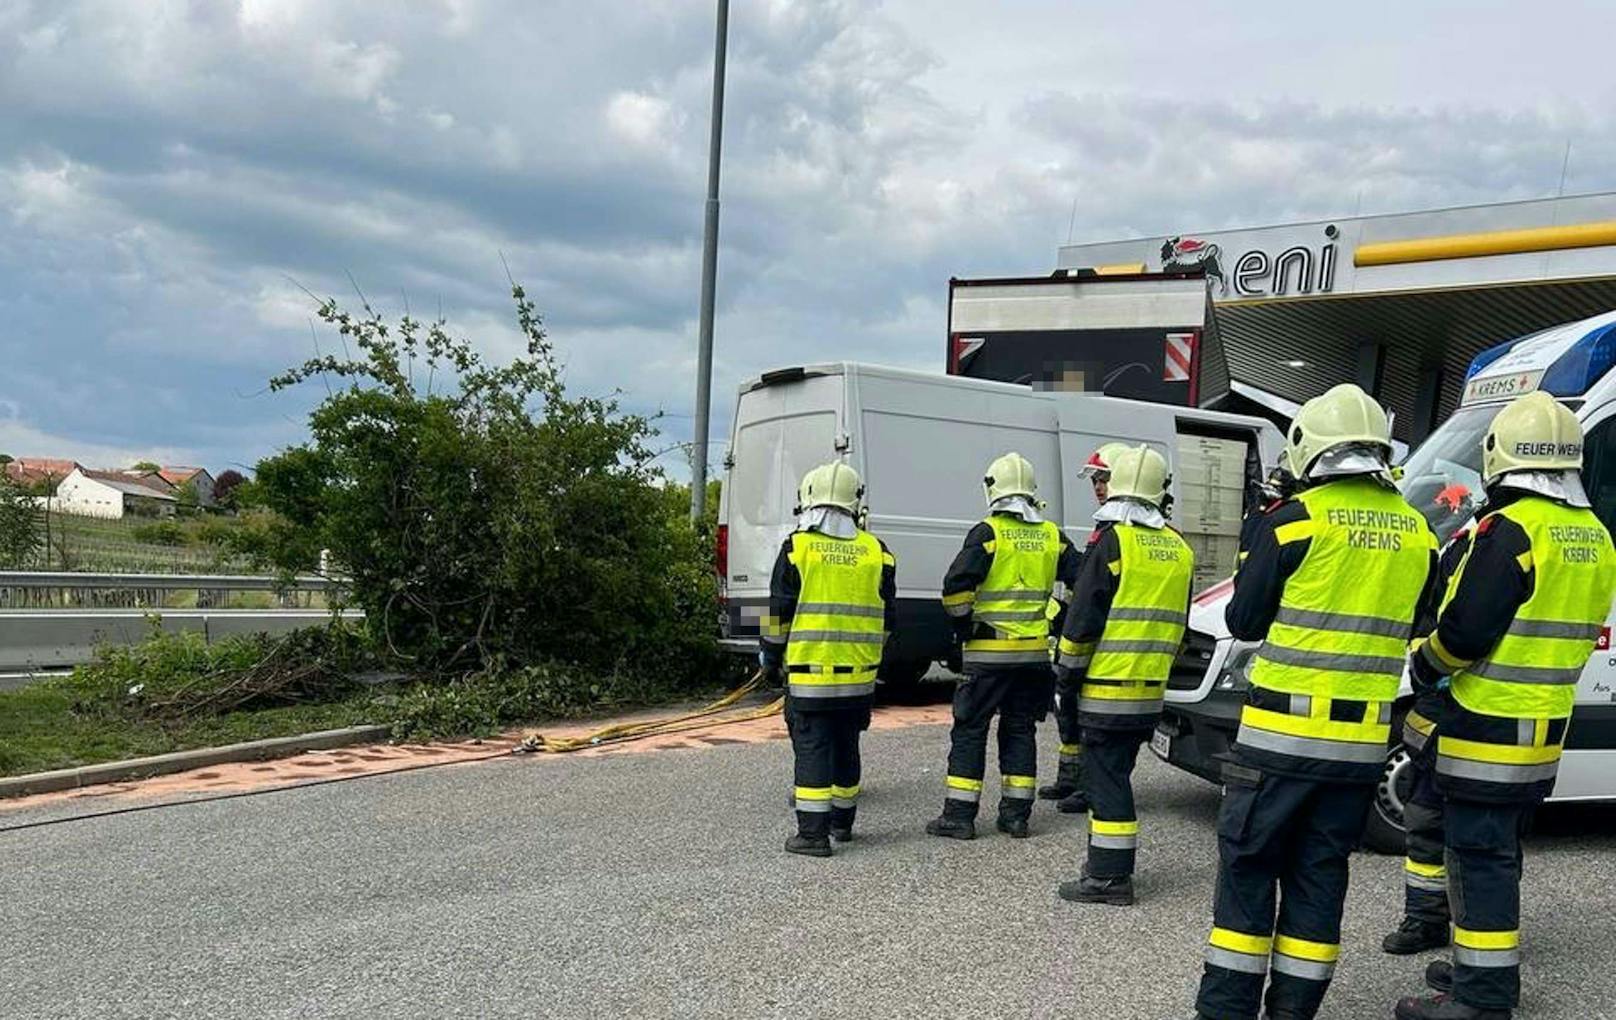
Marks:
<point>709,280</point>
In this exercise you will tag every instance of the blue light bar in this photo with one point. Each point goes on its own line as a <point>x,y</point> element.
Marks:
<point>1575,372</point>
<point>1489,356</point>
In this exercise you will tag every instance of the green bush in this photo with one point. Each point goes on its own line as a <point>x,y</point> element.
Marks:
<point>486,517</point>
<point>159,533</point>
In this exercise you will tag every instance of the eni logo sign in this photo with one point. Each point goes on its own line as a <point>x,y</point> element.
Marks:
<point>1298,269</point>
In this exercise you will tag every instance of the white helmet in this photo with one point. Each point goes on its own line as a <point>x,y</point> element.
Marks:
<point>1010,475</point>
<point>1343,415</point>
<point>833,484</point>
<point>1534,432</point>
<point>1138,472</point>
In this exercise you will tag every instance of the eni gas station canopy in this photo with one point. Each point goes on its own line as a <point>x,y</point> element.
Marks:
<point>1398,303</point>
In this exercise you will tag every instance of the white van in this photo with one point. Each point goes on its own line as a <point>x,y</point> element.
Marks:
<point>1442,479</point>
<point>921,441</point>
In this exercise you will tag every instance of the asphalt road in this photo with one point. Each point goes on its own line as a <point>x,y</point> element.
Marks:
<point>654,885</point>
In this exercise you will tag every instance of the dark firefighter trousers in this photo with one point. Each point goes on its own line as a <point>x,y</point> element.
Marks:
<point>1484,891</point>
<point>1425,875</point>
<point>1296,835</point>
<point>1109,757</point>
<point>1070,763</point>
<point>1020,695</point>
<point>826,744</point>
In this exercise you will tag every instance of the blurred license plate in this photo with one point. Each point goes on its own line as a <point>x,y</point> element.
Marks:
<point>1160,743</point>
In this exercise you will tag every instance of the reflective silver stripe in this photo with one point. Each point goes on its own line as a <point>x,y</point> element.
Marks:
<point>1018,792</point>
<point>1423,882</point>
<point>1114,842</point>
<point>1345,623</point>
<point>813,806</point>
<point>1118,706</point>
<point>1384,716</point>
<point>840,609</point>
<point>1282,656</point>
<point>1137,647</point>
<point>1525,732</point>
<point>1070,757</point>
<point>844,802</point>
<point>845,637</point>
<point>1012,595</point>
<point>1413,738</point>
<point>1300,705</point>
<point>1039,655</point>
<point>969,796</point>
<point>831,690</point>
<point>1228,959</point>
<point>963,609</point>
<point>1555,629</point>
<point>1152,615</point>
<point>1075,661</point>
<point>1008,615</point>
<point>1310,747</point>
<point>1489,670</point>
<point>1486,957</point>
<point>774,639</point>
<point>1061,592</point>
<point>1493,772</point>
<point>1308,970</point>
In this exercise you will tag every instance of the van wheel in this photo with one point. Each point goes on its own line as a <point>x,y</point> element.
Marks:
<point>900,680</point>
<point>1385,833</point>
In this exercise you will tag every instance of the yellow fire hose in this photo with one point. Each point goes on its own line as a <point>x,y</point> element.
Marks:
<point>701,718</point>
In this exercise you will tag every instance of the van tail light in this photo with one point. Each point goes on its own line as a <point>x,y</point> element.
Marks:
<point>721,554</point>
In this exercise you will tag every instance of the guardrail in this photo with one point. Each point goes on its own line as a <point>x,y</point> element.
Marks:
<point>34,579</point>
<point>54,634</point>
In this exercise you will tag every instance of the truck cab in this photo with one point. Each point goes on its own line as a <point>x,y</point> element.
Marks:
<point>1576,363</point>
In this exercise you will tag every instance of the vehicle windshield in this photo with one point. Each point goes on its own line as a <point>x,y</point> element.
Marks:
<point>1442,478</point>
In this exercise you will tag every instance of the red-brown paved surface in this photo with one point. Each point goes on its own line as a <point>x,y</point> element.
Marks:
<point>365,759</point>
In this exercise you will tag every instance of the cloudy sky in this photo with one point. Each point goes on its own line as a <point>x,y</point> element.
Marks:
<point>173,174</point>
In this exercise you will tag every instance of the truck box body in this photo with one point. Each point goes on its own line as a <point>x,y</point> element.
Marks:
<point>921,442</point>
<point>1141,336</point>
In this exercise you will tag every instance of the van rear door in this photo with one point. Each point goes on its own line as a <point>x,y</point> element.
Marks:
<point>781,431</point>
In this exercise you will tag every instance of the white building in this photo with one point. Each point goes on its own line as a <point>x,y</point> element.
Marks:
<point>115,494</point>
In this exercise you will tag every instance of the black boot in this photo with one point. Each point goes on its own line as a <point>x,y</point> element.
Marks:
<point>1442,1007</point>
<point>809,846</point>
<point>1075,804</point>
<point>958,820</point>
<point>841,824</point>
<point>1439,976</point>
<point>952,828</point>
<point>1415,936</point>
<point>1013,826</point>
<point>1118,892</point>
<point>1068,780</point>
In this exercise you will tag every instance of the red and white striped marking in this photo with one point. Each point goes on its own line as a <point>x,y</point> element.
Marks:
<point>1180,348</point>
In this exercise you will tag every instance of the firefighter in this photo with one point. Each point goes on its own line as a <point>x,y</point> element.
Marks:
<point>1515,630</point>
<point>1331,581</point>
<point>1426,919</point>
<point>1067,789</point>
<point>831,601</point>
<point>996,593</point>
<point>1127,618</point>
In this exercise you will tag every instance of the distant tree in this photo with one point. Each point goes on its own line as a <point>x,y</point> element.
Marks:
<point>146,466</point>
<point>186,496</point>
<point>19,525</point>
<point>6,458</point>
<point>224,488</point>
